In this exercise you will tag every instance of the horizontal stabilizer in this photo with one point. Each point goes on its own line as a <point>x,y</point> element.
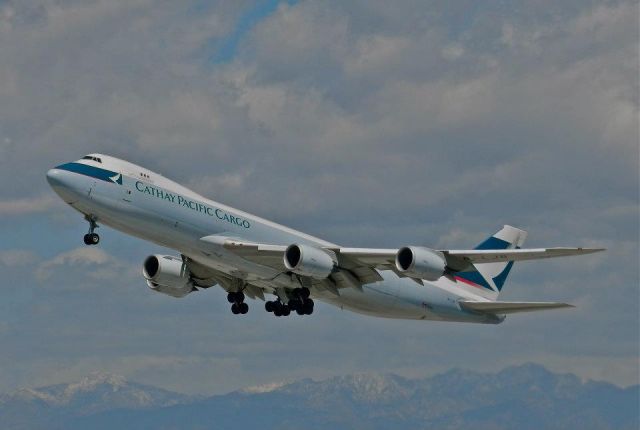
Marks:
<point>511,307</point>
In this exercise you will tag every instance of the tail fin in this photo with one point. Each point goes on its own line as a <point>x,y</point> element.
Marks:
<point>492,276</point>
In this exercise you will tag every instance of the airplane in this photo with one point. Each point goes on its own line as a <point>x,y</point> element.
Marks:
<point>249,256</point>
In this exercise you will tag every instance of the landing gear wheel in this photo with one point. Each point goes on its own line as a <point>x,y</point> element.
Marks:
<point>307,307</point>
<point>268,306</point>
<point>244,308</point>
<point>235,309</point>
<point>285,311</point>
<point>231,297</point>
<point>304,293</point>
<point>295,304</point>
<point>91,238</point>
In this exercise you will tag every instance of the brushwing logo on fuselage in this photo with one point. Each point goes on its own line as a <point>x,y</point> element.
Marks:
<point>117,179</point>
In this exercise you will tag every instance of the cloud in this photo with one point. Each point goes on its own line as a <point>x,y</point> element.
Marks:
<point>91,262</point>
<point>27,205</point>
<point>17,257</point>
<point>367,123</point>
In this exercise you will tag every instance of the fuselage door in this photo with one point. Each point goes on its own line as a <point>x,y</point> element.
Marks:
<point>127,194</point>
<point>92,188</point>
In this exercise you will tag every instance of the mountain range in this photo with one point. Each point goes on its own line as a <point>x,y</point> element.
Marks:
<point>524,397</point>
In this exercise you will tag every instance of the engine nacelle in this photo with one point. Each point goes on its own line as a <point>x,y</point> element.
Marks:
<point>419,262</point>
<point>167,275</point>
<point>308,261</point>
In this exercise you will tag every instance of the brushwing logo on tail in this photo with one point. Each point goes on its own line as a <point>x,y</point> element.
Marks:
<point>492,276</point>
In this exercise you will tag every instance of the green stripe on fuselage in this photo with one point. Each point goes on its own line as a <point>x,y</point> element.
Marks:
<point>93,172</point>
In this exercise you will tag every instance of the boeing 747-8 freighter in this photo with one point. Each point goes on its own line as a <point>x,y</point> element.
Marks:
<point>249,256</point>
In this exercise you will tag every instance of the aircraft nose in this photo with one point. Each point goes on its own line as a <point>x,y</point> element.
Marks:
<point>57,178</point>
<point>54,178</point>
<point>62,184</point>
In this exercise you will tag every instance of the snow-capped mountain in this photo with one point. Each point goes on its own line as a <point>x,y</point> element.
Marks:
<point>523,397</point>
<point>95,393</point>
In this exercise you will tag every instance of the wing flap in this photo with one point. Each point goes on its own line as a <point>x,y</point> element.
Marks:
<point>511,307</point>
<point>369,256</point>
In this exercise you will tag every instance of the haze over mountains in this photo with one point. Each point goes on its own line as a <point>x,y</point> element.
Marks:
<point>524,397</point>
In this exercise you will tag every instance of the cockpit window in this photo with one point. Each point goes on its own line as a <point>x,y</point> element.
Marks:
<point>89,157</point>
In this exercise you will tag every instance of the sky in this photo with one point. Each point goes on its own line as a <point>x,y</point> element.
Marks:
<point>366,123</point>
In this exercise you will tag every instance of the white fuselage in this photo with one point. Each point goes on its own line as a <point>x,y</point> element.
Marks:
<point>147,205</point>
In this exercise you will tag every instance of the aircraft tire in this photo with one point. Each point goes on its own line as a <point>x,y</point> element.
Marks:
<point>307,307</point>
<point>295,304</point>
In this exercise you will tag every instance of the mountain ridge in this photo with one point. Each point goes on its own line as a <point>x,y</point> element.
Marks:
<point>525,396</point>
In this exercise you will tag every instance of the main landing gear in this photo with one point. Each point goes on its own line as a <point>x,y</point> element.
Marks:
<point>91,238</point>
<point>278,308</point>
<point>299,302</point>
<point>238,306</point>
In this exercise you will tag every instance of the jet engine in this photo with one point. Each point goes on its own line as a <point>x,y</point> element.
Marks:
<point>419,262</point>
<point>308,261</point>
<point>167,275</point>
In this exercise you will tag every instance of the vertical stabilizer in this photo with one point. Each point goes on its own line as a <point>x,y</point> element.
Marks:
<point>492,276</point>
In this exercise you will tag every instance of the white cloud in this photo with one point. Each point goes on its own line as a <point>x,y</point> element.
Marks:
<point>26,205</point>
<point>90,263</point>
<point>17,257</point>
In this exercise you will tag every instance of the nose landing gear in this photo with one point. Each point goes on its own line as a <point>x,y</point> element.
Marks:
<point>91,238</point>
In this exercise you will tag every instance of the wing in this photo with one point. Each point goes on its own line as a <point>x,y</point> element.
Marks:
<point>457,260</point>
<point>511,307</point>
<point>479,256</point>
<point>351,272</point>
<point>358,266</point>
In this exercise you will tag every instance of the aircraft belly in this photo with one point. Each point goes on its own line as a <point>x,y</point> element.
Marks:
<point>403,298</point>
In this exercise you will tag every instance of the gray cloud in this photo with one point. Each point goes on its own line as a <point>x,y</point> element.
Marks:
<point>368,123</point>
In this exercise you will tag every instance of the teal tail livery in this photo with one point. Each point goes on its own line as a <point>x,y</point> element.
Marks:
<point>492,276</point>
<point>252,258</point>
